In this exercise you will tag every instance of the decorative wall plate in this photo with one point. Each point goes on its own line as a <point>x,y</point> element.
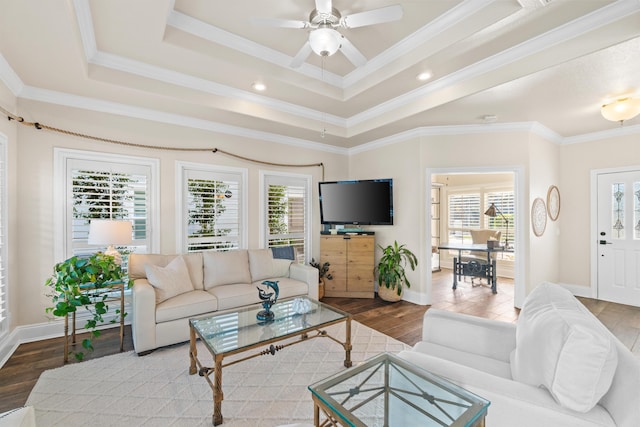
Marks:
<point>553,202</point>
<point>538,216</point>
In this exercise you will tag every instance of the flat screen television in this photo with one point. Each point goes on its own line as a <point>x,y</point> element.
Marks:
<point>359,202</point>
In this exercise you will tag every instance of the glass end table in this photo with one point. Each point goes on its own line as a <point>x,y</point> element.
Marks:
<point>389,391</point>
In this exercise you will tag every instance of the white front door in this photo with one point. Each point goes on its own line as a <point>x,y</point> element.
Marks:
<point>619,237</point>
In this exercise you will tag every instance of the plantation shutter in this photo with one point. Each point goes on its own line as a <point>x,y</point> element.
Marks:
<point>213,204</point>
<point>104,190</point>
<point>464,214</point>
<point>504,201</point>
<point>287,213</point>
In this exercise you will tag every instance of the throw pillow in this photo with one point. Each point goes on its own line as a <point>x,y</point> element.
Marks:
<point>564,349</point>
<point>169,281</point>
<point>225,268</point>
<point>261,264</point>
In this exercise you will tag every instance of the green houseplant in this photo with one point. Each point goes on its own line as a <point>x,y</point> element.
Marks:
<point>323,272</point>
<point>85,282</point>
<point>391,270</point>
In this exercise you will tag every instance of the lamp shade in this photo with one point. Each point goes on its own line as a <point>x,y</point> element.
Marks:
<point>621,109</point>
<point>491,211</point>
<point>110,232</point>
<point>325,41</point>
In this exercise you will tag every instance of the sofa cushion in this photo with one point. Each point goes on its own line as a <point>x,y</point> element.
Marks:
<point>560,346</point>
<point>260,264</point>
<point>169,281</point>
<point>225,268</point>
<point>233,296</point>
<point>183,306</point>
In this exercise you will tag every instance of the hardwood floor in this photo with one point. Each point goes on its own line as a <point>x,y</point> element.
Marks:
<point>402,320</point>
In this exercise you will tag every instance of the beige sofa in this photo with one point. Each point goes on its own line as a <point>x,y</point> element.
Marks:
<point>170,289</point>
<point>558,366</point>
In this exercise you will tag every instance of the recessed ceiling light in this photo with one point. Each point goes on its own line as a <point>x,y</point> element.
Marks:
<point>489,118</point>
<point>425,75</point>
<point>259,86</point>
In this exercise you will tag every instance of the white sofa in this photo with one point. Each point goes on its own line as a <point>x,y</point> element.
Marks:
<point>559,366</point>
<point>170,289</point>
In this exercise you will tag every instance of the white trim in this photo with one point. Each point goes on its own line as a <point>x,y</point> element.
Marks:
<point>519,232</point>
<point>60,158</point>
<point>9,77</point>
<point>4,230</point>
<point>181,217</point>
<point>47,330</point>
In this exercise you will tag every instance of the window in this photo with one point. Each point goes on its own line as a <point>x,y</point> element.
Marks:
<point>212,209</point>
<point>464,214</point>
<point>105,186</point>
<point>505,203</point>
<point>286,215</point>
<point>4,308</point>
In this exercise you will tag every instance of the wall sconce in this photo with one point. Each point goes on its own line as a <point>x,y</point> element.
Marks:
<point>110,232</point>
<point>621,109</point>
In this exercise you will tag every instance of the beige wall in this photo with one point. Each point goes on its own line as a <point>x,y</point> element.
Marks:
<point>408,162</point>
<point>543,261</point>
<point>576,163</point>
<point>35,166</point>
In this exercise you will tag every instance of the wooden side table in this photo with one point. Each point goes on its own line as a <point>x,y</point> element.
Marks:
<point>95,291</point>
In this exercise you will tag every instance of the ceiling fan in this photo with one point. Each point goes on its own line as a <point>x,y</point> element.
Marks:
<point>324,39</point>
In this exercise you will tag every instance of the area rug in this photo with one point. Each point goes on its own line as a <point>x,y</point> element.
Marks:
<point>157,390</point>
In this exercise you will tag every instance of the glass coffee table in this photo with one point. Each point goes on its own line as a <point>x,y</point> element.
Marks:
<point>389,391</point>
<point>236,331</point>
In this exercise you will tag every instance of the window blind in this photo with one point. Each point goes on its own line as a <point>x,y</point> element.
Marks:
<point>213,204</point>
<point>287,213</point>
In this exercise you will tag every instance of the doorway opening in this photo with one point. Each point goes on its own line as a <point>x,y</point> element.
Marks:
<point>457,205</point>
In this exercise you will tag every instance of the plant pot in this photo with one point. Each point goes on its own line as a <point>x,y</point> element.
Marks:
<point>389,295</point>
<point>321,289</point>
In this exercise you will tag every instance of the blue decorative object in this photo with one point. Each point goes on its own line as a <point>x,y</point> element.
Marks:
<point>268,299</point>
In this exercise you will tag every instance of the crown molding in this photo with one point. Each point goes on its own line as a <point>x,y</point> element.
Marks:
<point>9,77</point>
<point>597,136</point>
<point>91,104</point>
<point>529,127</point>
<point>590,22</point>
<point>415,40</point>
<point>17,87</point>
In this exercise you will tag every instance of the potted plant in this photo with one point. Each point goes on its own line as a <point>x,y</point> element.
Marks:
<point>85,282</point>
<point>391,271</point>
<point>323,272</point>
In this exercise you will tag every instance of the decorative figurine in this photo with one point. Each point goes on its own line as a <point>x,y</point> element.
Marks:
<point>267,301</point>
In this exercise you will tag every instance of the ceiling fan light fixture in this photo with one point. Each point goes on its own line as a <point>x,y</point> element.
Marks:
<point>621,109</point>
<point>325,41</point>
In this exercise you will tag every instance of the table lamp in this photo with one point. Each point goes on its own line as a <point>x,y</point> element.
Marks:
<point>110,232</point>
<point>493,212</point>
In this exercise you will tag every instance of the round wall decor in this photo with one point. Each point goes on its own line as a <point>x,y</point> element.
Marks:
<point>553,202</point>
<point>538,216</point>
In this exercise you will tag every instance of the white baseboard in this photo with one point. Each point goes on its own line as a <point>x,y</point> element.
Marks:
<point>44,331</point>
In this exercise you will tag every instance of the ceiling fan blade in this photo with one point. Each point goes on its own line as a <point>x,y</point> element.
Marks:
<point>324,6</point>
<point>302,55</point>
<point>371,17</point>
<point>280,23</point>
<point>352,53</point>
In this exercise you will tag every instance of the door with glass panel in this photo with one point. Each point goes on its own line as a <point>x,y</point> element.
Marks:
<point>619,237</point>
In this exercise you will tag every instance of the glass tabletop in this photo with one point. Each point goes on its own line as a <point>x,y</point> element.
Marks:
<point>233,330</point>
<point>388,391</point>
